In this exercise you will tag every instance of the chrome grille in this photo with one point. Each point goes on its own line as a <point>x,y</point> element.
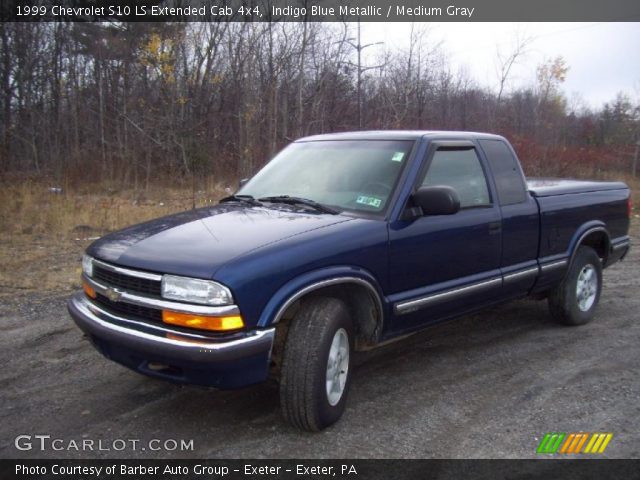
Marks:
<point>126,282</point>
<point>136,294</point>
<point>144,313</point>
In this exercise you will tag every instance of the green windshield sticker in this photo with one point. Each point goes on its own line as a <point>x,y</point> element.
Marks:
<point>370,201</point>
<point>397,157</point>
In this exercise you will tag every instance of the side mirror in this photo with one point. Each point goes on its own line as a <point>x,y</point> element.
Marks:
<point>437,200</point>
<point>243,182</point>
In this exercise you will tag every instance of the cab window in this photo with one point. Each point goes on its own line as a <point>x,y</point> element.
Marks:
<point>510,184</point>
<point>460,169</point>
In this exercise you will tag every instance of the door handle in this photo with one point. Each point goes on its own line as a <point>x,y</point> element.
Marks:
<point>495,227</point>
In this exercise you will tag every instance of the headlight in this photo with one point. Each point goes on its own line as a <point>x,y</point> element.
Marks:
<point>195,291</point>
<point>87,265</point>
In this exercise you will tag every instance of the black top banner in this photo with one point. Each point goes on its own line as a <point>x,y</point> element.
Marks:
<point>321,10</point>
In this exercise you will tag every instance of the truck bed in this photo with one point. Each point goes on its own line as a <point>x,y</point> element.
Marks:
<point>546,187</point>
<point>569,209</point>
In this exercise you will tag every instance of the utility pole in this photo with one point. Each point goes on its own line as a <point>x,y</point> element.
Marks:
<point>359,47</point>
<point>634,165</point>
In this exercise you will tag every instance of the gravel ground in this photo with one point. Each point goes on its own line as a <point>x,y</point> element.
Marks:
<point>486,386</point>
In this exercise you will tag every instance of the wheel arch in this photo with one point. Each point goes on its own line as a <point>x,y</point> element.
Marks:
<point>356,287</point>
<point>594,235</point>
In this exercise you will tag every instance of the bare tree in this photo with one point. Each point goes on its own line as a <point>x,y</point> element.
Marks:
<point>504,67</point>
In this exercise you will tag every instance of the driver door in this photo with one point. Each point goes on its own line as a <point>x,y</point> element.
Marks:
<point>442,266</point>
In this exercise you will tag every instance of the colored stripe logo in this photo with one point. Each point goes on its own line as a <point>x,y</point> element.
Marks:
<point>573,443</point>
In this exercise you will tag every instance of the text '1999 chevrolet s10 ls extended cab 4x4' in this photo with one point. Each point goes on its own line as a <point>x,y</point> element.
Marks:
<point>340,243</point>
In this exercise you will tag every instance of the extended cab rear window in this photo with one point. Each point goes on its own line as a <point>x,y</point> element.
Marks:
<point>506,172</point>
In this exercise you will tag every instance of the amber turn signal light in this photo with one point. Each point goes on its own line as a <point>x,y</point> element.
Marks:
<point>88,290</point>
<point>203,322</point>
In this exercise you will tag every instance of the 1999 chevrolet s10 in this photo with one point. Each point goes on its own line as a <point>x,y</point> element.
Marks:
<point>340,243</point>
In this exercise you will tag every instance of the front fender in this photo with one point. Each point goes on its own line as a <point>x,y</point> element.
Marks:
<point>316,279</point>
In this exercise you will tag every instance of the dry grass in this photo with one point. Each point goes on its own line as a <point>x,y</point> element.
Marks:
<point>43,233</point>
<point>32,208</point>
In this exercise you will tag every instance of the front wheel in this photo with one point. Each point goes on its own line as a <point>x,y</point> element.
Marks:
<point>574,301</point>
<point>316,364</point>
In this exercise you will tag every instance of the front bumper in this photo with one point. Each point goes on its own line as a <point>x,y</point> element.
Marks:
<point>154,350</point>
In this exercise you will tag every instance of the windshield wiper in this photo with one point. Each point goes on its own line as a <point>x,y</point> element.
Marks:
<point>300,201</point>
<point>241,198</point>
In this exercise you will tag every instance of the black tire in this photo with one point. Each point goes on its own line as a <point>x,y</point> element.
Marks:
<point>564,303</point>
<point>303,378</point>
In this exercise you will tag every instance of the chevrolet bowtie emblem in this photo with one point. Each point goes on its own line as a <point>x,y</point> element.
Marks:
<point>112,294</point>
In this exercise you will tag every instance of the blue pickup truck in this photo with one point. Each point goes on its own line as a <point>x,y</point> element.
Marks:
<point>340,243</point>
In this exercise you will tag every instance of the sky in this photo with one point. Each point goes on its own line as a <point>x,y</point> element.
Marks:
<point>603,58</point>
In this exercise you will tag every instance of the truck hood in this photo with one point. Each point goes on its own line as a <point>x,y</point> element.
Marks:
<point>197,243</point>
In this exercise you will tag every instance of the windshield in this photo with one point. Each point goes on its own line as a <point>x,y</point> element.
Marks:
<point>354,175</point>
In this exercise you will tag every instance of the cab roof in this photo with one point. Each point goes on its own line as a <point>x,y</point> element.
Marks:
<point>400,135</point>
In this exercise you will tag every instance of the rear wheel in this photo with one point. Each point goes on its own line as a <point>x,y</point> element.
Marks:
<point>574,301</point>
<point>316,364</point>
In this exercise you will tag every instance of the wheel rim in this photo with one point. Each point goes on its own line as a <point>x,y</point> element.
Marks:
<point>337,366</point>
<point>587,287</point>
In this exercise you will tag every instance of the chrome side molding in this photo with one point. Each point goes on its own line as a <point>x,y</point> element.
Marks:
<point>553,265</point>
<point>621,245</point>
<point>415,304</point>
<point>421,302</point>
<point>517,276</point>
